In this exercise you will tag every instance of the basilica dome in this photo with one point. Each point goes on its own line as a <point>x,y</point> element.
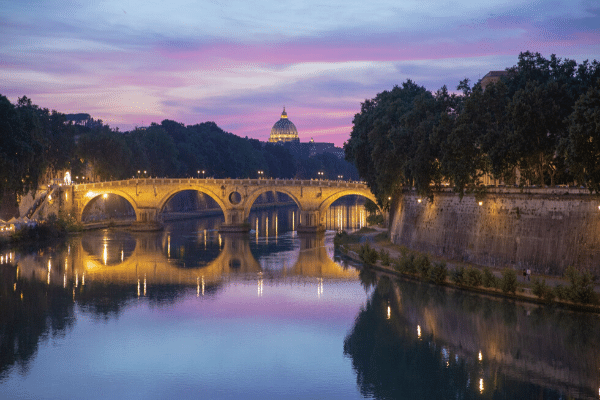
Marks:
<point>284,130</point>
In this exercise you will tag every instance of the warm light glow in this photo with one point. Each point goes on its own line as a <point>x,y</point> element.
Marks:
<point>202,285</point>
<point>389,314</point>
<point>169,246</point>
<point>105,196</point>
<point>481,203</point>
<point>260,287</point>
<point>198,283</point>
<point>419,331</point>
<point>320,288</point>
<point>480,385</point>
<point>105,254</point>
<point>144,284</point>
<point>480,356</point>
<point>418,200</point>
<point>138,291</point>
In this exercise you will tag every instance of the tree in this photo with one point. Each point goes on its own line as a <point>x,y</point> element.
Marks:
<point>583,142</point>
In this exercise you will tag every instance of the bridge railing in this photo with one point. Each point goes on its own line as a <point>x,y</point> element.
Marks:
<point>226,181</point>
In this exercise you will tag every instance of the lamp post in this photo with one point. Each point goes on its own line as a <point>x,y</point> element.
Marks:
<point>260,174</point>
<point>320,174</point>
<point>340,177</point>
<point>203,174</point>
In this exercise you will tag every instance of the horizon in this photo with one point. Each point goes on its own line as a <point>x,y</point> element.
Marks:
<point>134,63</point>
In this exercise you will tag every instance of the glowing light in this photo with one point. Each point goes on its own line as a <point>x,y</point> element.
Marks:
<point>49,197</point>
<point>15,287</point>
<point>260,287</point>
<point>418,200</point>
<point>105,196</point>
<point>480,385</point>
<point>389,314</point>
<point>105,254</point>
<point>169,246</point>
<point>202,285</point>
<point>481,203</point>
<point>320,288</point>
<point>220,240</point>
<point>144,284</point>
<point>197,286</point>
<point>64,280</point>
<point>83,279</point>
<point>138,291</point>
<point>76,279</point>
<point>480,356</point>
<point>419,331</point>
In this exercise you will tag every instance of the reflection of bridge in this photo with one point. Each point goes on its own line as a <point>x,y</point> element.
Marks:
<point>148,197</point>
<point>151,263</point>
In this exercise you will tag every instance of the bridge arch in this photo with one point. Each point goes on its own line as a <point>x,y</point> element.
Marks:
<point>338,195</point>
<point>198,188</point>
<point>93,195</point>
<point>252,196</point>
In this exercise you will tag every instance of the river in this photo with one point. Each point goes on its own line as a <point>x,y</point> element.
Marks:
<point>190,313</point>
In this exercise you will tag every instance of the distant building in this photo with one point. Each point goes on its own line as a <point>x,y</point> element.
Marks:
<point>492,77</point>
<point>284,130</point>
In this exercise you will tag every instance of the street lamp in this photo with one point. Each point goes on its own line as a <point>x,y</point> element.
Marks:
<point>198,174</point>
<point>340,177</point>
<point>320,173</point>
<point>203,174</point>
<point>260,174</point>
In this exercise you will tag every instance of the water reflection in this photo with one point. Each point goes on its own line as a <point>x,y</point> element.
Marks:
<point>414,340</point>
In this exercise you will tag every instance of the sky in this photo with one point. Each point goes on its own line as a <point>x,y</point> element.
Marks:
<point>238,63</point>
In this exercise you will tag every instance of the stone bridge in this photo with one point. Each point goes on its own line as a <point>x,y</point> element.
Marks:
<point>148,197</point>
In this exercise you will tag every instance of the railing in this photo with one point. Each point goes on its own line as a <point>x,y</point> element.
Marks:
<point>253,182</point>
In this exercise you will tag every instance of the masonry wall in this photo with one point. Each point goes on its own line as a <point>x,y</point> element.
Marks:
<point>545,230</point>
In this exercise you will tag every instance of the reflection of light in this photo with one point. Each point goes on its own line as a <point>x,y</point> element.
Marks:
<point>256,230</point>
<point>76,278</point>
<point>48,277</point>
<point>122,255</point>
<point>83,279</point>
<point>220,241</point>
<point>293,220</point>
<point>480,356</point>
<point>202,285</point>
<point>205,239</point>
<point>260,287</point>
<point>419,331</point>
<point>138,288</point>
<point>389,313</point>
<point>169,246</point>
<point>49,265</point>
<point>65,281</point>
<point>320,288</point>
<point>275,226</point>
<point>105,196</point>
<point>105,253</point>
<point>480,385</point>
<point>15,287</point>
<point>197,286</point>
<point>144,284</point>
<point>267,229</point>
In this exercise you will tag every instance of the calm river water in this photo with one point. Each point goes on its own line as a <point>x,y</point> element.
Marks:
<point>189,313</point>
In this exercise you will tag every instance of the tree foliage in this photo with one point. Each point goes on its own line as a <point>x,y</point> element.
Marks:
<point>537,124</point>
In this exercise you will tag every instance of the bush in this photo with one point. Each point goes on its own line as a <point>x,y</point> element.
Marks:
<point>375,219</point>
<point>458,276</point>
<point>384,256</point>
<point>423,266</point>
<point>407,265</point>
<point>508,283</point>
<point>367,254</point>
<point>543,291</point>
<point>439,272</point>
<point>489,280</point>
<point>474,277</point>
<point>582,286</point>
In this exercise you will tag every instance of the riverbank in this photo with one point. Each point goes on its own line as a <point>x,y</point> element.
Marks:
<point>373,249</point>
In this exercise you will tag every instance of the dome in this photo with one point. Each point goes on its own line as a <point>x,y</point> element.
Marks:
<point>284,130</point>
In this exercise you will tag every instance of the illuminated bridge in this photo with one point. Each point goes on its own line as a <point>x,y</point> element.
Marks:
<point>235,197</point>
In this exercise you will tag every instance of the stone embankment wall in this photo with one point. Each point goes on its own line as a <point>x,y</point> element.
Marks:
<point>543,229</point>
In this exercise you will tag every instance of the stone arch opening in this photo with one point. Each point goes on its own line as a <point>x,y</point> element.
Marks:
<point>345,211</point>
<point>190,203</point>
<point>272,212</point>
<point>108,207</point>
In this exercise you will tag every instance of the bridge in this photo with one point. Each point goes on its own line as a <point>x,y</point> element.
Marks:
<point>235,197</point>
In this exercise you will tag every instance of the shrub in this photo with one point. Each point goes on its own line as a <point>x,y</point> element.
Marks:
<point>543,291</point>
<point>508,283</point>
<point>458,276</point>
<point>439,272</point>
<point>474,277</point>
<point>367,254</point>
<point>375,219</point>
<point>561,292</point>
<point>489,280</point>
<point>384,256</point>
<point>423,266</point>
<point>582,286</point>
<point>407,265</point>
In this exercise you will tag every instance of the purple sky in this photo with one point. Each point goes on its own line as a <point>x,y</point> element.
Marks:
<point>237,63</point>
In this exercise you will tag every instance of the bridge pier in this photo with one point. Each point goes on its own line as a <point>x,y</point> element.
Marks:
<point>235,221</point>
<point>310,222</point>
